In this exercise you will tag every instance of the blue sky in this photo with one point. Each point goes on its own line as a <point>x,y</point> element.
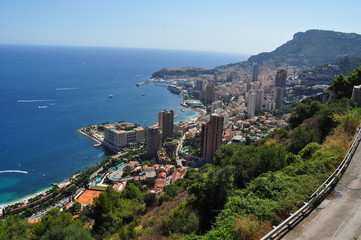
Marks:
<point>243,26</point>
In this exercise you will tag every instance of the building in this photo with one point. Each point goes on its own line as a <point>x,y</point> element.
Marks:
<point>165,123</point>
<point>259,100</point>
<point>216,105</point>
<point>154,141</point>
<point>356,95</point>
<point>115,139</point>
<point>199,85</point>
<point>278,95</point>
<point>251,105</point>
<point>281,78</point>
<point>210,94</point>
<point>211,137</point>
<point>255,72</point>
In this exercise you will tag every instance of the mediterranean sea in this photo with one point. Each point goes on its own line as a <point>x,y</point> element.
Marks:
<point>49,92</point>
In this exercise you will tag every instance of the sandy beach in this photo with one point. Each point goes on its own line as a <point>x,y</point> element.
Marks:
<point>25,200</point>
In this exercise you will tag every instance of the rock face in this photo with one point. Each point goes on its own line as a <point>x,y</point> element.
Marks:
<point>313,47</point>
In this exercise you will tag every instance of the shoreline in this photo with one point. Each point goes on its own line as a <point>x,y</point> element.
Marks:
<point>26,198</point>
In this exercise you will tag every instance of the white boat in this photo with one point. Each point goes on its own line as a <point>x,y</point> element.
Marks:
<point>143,94</point>
<point>110,96</point>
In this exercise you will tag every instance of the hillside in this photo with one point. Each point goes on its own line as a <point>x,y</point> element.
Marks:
<point>313,47</point>
<point>325,73</point>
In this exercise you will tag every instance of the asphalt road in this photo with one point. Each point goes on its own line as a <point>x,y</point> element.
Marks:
<point>339,215</point>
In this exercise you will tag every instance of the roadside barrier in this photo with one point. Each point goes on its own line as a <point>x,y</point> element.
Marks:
<point>317,196</point>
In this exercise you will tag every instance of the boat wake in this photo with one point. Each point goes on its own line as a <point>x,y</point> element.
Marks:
<point>36,100</point>
<point>65,89</point>
<point>14,171</point>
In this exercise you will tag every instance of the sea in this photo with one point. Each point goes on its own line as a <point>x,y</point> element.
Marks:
<point>48,92</point>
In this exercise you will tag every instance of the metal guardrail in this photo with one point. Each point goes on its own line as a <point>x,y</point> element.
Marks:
<point>319,194</point>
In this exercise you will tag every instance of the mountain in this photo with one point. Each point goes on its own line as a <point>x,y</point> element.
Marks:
<point>311,48</point>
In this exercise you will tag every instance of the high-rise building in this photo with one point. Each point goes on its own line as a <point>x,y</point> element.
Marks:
<point>154,141</point>
<point>281,78</point>
<point>165,122</point>
<point>259,100</point>
<point>216,105</point>
<point>255,72</point>
<point>210,93</point>
<point>356,95</point>
<point>278,95</point>
<point>211,137</point>
<point>251,105</point>
<point>269,105</point>
<point>199,85</point>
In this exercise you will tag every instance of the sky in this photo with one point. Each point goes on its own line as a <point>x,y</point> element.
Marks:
<point>235,26</point>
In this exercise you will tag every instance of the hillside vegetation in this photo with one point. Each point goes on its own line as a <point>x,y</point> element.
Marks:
<point>325,73</point>
<point>312,48</point>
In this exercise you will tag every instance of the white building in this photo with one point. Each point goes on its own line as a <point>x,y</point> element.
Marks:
<point>117,139</point>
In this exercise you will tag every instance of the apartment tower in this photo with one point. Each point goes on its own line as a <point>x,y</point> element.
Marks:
<point>210,95</point>
<point>211,137</point>
<point>154,141</point>
<point>165,123</point>
<point>281,78</point>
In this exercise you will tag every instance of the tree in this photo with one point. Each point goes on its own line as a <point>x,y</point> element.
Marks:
<point>110,212</point>
<point>71,232</point>
<point>150,199</point>
<point>14,228</point>
<point>76,208</point>
<point>132,192</point>
<point>53,218</point>
<point>303,111</point>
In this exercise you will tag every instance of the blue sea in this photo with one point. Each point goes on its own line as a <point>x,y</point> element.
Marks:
<point>49,92</point>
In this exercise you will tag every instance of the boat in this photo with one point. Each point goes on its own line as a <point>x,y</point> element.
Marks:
<point>143,94</point>
<point>42,106</point>
<point>110,96</point>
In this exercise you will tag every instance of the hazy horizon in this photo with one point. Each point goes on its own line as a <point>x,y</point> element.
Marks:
<point>246,27</point>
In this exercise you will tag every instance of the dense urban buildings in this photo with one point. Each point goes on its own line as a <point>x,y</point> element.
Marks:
<point>211,137</point>
<point>165,123</point>
<point>154,141</point>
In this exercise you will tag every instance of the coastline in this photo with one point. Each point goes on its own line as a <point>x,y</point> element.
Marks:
<point>97,142</point>
<point>26,198</point>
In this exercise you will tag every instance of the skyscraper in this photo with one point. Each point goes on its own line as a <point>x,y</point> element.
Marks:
<point>154,140</point>
<point>210,93</point>
<point>255,72</point>
<point>165,123</point>
<point>278,95</point>
<point>199,85</point>
<point>259,100</point>
<point>211,137</point>
<point>251,105</point>
<point>281,78</point>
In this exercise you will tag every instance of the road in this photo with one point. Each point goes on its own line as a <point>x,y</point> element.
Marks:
<point>339,215</point>
<point>179,148</point>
